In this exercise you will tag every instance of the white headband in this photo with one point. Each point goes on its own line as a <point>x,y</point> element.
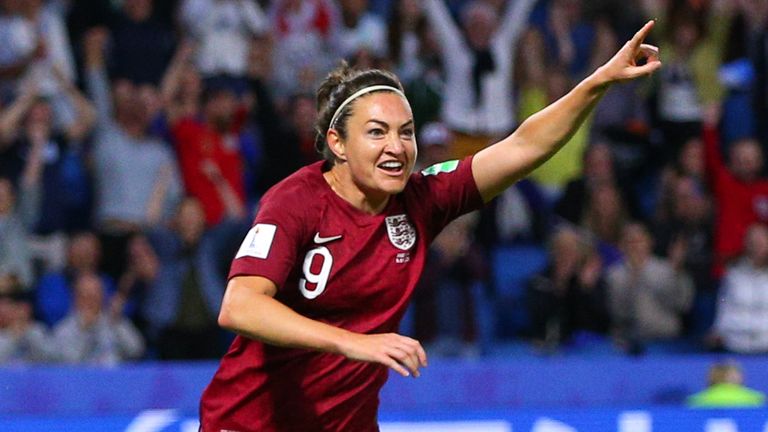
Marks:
<point>359,93</point>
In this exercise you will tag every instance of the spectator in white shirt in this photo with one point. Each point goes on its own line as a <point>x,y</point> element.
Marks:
<point>94,334</point>
<point>35,40</point>
<point>224,30</point>
<point>647,295</point>
<point>479,63</point>
<point>742,315</point>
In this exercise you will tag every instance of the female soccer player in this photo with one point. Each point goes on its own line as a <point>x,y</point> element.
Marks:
<point>318,287</point>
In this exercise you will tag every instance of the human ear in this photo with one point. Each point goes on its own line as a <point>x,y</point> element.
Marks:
<point>336,144</point>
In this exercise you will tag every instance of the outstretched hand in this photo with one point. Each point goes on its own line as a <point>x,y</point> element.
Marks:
<point>627,63</point>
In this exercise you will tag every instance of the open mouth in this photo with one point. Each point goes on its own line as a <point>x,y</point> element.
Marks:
<point>393,168</point>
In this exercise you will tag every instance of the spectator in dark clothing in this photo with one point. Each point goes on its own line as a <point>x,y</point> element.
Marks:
<point>286,146</point>
<point>688,231</point>
<point>55,291</point>
<point>445,300</point>
<point>141,46</point>
<point>598,167</point>
<point>29,121</point>
<point>569,296</point>
<point>182,302</point>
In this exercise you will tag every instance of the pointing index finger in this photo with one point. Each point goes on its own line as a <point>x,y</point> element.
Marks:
<point>639,37</point>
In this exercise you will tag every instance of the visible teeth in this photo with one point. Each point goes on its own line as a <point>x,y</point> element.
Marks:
<point>391,165</point>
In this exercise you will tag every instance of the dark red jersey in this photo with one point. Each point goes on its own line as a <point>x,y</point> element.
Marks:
<point>338,265</point>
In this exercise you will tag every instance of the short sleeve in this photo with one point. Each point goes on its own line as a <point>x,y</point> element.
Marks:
<point>270,247</point>
<point>449,190</point>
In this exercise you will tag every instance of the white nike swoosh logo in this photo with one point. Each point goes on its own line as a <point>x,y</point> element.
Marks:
<point>321,240</point>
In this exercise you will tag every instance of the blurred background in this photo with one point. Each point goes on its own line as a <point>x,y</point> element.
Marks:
<point>625,279</point>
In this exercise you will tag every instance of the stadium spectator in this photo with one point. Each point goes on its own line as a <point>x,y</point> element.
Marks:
<point>691,162</point>
<point>599,168</point>
<point>570,295</point>
<point>478,59</point>
<point>738,76</point>
<point>740,194</point>
<point>518,216</point>
<point>182,302</point>
<point>694,39</point>
<point>405,29</point>
<point>93,333</point>
<point>569,36</point>
<point>303,43</point>
<point>647,296</point>
<point>141,45</point>
<point>446,299</point>
<point>726,389</point>
<point>210,155</point>
<point>286,143</point>
<point>360,31</point>
<point>223,30</point>
<point>604,217</point>
<point>135,283</point>
<point>22,340</point>
<point>27,122</point>
<point>55,290</point>
<point>125,201</point>
<point>684,227</point>
<point>36,41</point>
<point>19,211</point>
<point>742,314</point>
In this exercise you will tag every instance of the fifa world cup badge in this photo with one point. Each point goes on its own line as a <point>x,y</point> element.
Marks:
<point>400,231</point>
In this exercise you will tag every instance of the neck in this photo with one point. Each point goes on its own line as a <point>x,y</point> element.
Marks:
<point>340,179</point>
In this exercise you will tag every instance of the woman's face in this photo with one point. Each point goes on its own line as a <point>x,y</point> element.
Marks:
<point>380,148</point>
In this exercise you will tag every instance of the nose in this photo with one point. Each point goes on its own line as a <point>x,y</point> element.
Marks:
<point>395,144</point>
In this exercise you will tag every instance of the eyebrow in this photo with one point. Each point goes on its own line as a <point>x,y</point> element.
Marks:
<point>385,124</point>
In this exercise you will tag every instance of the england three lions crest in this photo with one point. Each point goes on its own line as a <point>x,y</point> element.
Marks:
<point>400,231</point>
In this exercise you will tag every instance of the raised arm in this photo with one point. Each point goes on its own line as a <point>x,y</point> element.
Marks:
<point>10,119</point>
<point>442,23</point>
<point>169,87</point>
<point>20,66</point>
<point>233,205</point>
<point>717,171</point>
<point>544,133</point>
<point>97,81</point>
<point>249,309</point>
<point>514,21</point>
<point>84,109</point>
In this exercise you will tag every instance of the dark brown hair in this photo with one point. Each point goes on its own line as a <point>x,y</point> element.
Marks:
<point>341,83</point>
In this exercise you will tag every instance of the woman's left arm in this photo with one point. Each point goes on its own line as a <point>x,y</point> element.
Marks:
<point>544,133</point>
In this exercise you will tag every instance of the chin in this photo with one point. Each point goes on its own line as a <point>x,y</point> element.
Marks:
<point>393,186</point>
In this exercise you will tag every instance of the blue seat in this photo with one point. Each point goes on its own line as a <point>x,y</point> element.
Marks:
<point>513,266</point>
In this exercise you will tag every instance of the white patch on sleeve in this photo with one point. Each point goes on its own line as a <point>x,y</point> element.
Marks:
<point>257,242</point>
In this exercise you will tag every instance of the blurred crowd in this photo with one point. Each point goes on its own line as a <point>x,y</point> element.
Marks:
<point>137,136</point>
